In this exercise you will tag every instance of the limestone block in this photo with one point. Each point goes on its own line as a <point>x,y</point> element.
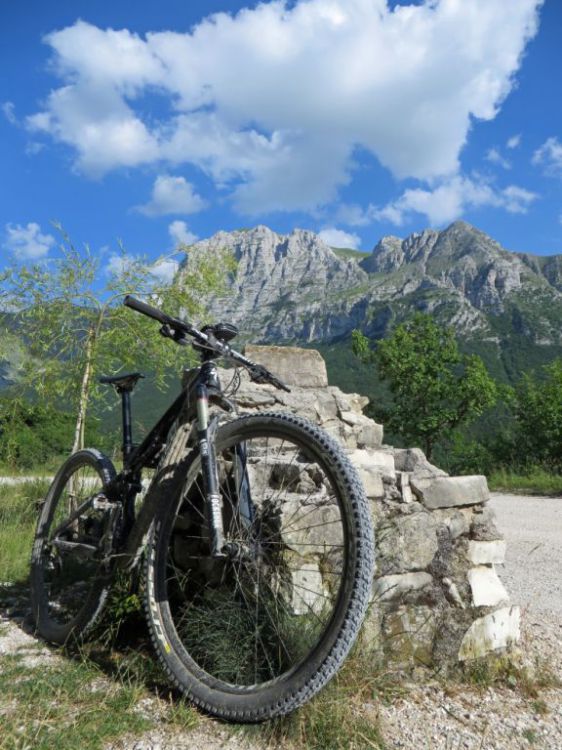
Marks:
<point>372,466</point>
<point>381,461</point>
<point>484,527</point>
<point>408,634</point>
<point>403,484</point>
<point>325,406</point>
<point>369,434</point>
<point>487,589</point>
<point>348,401</point>
<point>498,630</point>
<point>395,586</point>
<point>406,543</point>
<point>414,461</point>
<point>449,492</point>
<point>457,520</point>
<point>308,591</point>
<point>293,365</point>
<point>481,553</point>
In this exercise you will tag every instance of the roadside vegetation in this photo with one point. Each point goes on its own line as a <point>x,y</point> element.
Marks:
<point>448,404</point>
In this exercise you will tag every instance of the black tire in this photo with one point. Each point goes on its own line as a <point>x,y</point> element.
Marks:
<point>68,590</point>
<point>228,669</point>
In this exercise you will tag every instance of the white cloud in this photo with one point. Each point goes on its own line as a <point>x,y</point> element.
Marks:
<point>9,112</point>
<point>514,141</point>
<point>549,156</point>
<point>494,156</point>
<point>163,269</point>
<point>451,199</point>
<point>172,195</point>
<point>338,238</point>
<point>180,234</point>
<point>273,101</point>
<point>28,242</point>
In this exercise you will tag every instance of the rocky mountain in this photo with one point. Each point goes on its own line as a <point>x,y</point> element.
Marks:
<point>294,288</point>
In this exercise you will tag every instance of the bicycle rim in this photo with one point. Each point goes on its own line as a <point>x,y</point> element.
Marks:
<point>255,617</point>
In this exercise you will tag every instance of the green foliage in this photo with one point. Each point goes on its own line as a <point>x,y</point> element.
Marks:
<point>538,418</point>
<point>434,387</point>
<point>31,434</point>
<point>75,327</point>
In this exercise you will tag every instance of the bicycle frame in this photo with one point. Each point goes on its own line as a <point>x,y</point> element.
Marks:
<point>192,407</point>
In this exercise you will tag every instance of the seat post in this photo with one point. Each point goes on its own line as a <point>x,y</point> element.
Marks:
<point>126,418</point>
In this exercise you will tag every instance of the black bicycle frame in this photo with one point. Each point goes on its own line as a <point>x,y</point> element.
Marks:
<point>200,386</point>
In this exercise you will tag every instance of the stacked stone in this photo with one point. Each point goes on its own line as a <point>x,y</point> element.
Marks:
<point>437,598</point>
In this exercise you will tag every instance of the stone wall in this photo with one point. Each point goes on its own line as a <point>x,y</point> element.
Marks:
<point>437,598</point>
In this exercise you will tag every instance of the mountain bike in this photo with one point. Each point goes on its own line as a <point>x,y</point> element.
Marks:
<point>254,540</point>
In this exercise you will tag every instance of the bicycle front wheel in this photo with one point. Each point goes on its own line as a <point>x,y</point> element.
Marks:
<point>255,634</point>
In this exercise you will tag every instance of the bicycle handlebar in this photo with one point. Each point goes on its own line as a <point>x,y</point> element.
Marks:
<point>142,307</point>
<point>258,373</point>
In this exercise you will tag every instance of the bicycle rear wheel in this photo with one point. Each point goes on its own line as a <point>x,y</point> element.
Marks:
<point>68,583</point>
<point>255,634</point>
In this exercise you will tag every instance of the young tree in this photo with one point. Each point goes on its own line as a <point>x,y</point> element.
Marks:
<point>434,387</point>
<point>69,313</point>
<point>538,418</point>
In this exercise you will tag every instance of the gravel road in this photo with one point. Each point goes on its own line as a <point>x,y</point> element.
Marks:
<point>533,567</point>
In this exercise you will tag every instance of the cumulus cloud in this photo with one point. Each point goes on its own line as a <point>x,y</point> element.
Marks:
<point>28,242</point>
<point>180,234</point>
<point>338,238</point>
<point>495,157</point>
<point>273,101</point>
<point>449,200</point>
<point>514,141</point>
<point>172,195</point>
<point>549,157</point>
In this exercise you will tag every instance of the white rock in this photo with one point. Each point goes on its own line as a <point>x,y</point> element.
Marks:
<point>373,460</point>
<point>497,630</point>
<point>308,591</point>
<point>487,589</point>
<point>480,553</point>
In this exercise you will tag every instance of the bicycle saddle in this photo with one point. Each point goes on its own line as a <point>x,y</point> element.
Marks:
<point>125,382</point>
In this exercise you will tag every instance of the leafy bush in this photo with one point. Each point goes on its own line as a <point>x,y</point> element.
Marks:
<point>32,434</point>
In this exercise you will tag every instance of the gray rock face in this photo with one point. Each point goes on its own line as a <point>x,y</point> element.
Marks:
<point>294,288</point>
<point>287,287</point>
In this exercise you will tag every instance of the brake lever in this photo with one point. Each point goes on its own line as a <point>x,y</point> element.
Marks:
<point>261,375</point>
<point>170,333</point>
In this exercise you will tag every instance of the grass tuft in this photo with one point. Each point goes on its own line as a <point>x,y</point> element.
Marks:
<point>19,509</point>
<point>535,482</point>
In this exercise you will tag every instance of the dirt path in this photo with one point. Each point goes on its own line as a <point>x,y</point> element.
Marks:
<point>533,566</point>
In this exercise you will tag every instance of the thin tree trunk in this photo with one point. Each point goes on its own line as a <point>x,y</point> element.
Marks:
<point>81,419</point>
<point>84,395</point>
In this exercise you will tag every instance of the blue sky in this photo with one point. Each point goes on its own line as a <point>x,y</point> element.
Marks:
<point>152,123</point>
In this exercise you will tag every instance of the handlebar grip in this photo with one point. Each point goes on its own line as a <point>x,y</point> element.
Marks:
<point>145,309</point>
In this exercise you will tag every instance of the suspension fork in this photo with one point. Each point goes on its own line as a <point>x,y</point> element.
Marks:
<point>213,499</point>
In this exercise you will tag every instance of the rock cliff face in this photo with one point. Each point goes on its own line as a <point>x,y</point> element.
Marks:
<point>437,599</point>
<point>286,288</point>
<point>295,288</point>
